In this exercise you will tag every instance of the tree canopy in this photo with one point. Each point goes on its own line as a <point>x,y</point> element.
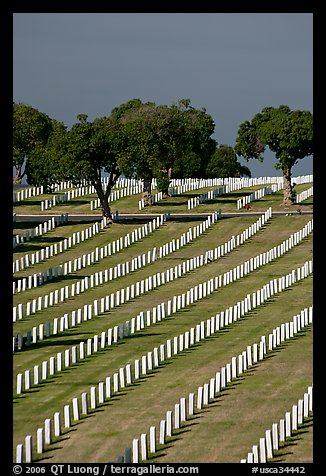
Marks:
<point>224,163</point>
<point>31,129</point>
<point>165,142</point>
<point>92,149</point>
<point>145,141</point>
<point>44,166</point>
<point>287,133</point>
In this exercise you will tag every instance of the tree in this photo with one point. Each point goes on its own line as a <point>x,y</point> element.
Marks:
<point>166,142</point>
<point>289,134</point>
<point>197,144</point>
<point>31,129</point>
<point>44,166</point>
<point>224,163</point>
<point>153,137</point>
<point>92,149</point>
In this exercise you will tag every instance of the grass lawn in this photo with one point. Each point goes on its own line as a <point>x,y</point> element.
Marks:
<point>226,429</point>
<point>175,204</point>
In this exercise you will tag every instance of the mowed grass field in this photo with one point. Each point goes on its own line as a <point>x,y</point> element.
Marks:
<point>176,204</point>
<point>226,429</point>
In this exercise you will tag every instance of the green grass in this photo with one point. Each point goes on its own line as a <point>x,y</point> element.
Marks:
<point>225,430</point>
<point>175,204</point>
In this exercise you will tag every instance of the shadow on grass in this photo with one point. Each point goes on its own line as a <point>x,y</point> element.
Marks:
<point>285,450</point>
<point>199,413</point>
<point>58,341</point>
<point>185,427</point>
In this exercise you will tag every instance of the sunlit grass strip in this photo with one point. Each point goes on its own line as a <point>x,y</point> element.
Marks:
<point>209,391</point>
<point>96,255</point>
<point>98,307</point>
<point>144,259</point>
<point>123,378</point>
<point>280,433</point>
<point>92,345</point>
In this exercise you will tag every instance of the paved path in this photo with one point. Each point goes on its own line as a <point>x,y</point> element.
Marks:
<point>150,216</point>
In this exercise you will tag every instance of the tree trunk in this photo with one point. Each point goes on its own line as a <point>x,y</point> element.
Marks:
<point>147,192</point>
<point>18,178</point>
<point>287,190</point>
<point>106,210</point>
<point>166,188</point>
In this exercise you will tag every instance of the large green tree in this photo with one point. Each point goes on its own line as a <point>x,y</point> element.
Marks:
<point>224,163</point>
<point>144,126</point>
<point>198,144</point>
<point>166,142</point>
<point>44,166</point>
<point>31,129</point>
<point>138,139</point>
<point>91,150</point>
<point>287,133</point>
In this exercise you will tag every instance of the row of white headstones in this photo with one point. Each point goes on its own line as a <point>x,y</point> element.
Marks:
<point>84,188</point>
<point>99,342</point>
<point>205,197</point>
<point>301,273</point>
<point>283,430</point>
<point>84,260</point>
<point>51,251</point>
<point>30,192</point>
<point>39,230</point>
<point>240,183</point>
<point>208,392</point>
<point>116,195</point>
<point>120,269</point>
<point>27,193</point>
<point>123,242</point>
<point>140,287</point>
<point>258,194</point>
<point>226,185</point>
<point>111,273</point>
<point>304,195</point>
<point>28,260</point>
<point>130,292</point>
<point>300,197</point>
<point>182,410</point>
<point>187,186</point>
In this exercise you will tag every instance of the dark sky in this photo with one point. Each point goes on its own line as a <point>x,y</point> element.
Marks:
<point>232,64</point>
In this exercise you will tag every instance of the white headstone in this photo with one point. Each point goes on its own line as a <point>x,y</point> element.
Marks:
<point>269,446</point>
<point>93,397</point>
<point>28,449</point>
<point>162,432</point>
<point>116,382</point>
<point>199,398</point>
<point>275,436</point>
<point>20,453</point>
<point>287,424</point>
<point>262,450</point>
<point>27,379</point>
<point>135,450</point>
<point>101,392</point>
<point>66,411</point>
<point>152,439</point>
<point>57,424</point>
<point>143,446</point>
<point>128,374</point>
<point>75,409</point>
<point>176,416</point>
<point>40,440</point>
<point>47,431</point>
<point>108,387</point>
<point>84,409</point>
<point>169,423</point>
